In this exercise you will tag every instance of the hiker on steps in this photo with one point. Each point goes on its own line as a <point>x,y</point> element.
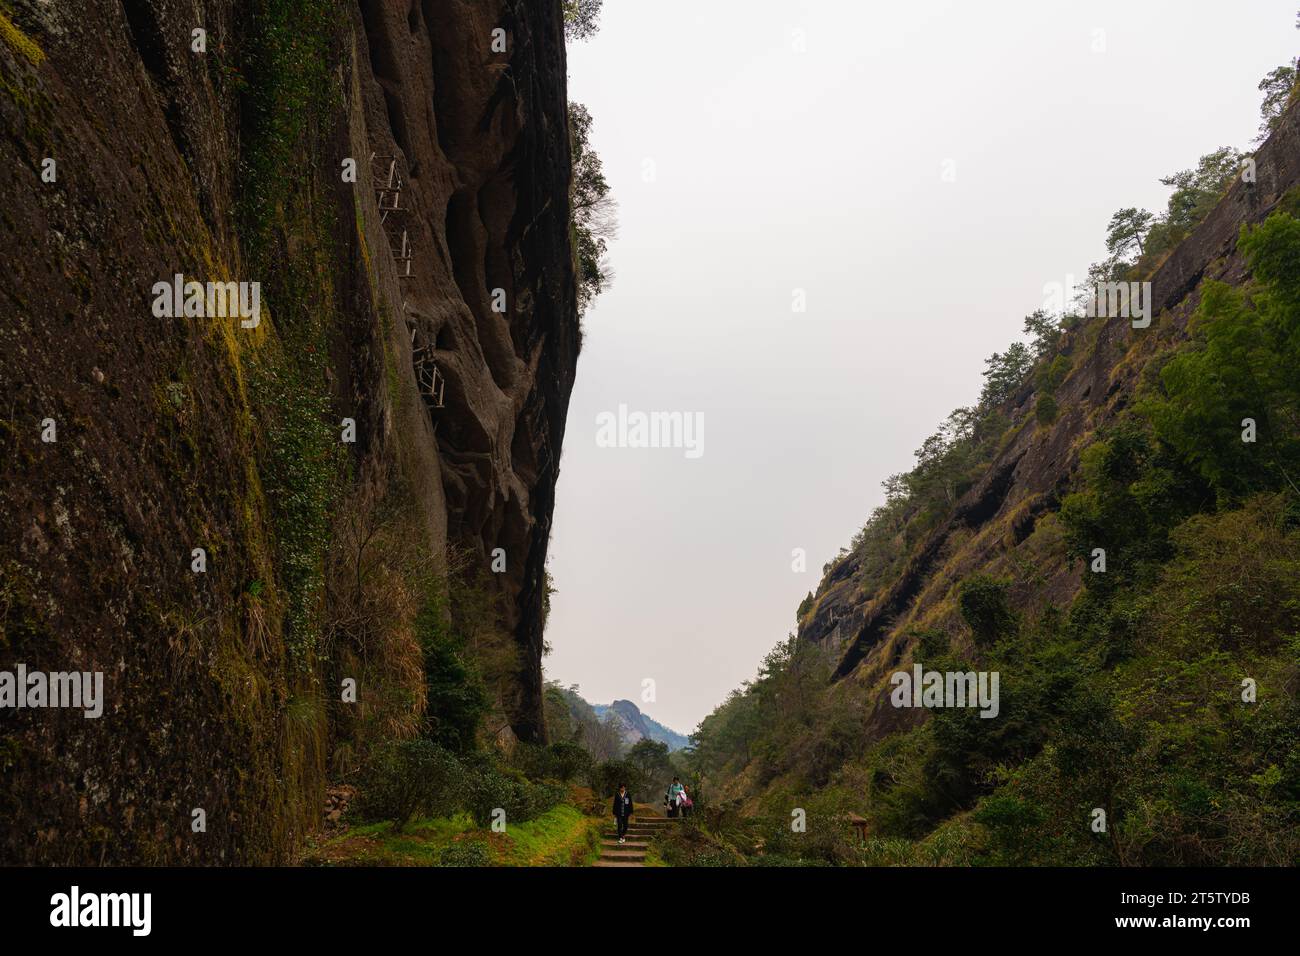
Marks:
<point>675,794</point>
<point>622,811</point>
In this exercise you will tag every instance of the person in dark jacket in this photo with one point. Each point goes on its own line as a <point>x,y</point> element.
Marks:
<point>622,810</point>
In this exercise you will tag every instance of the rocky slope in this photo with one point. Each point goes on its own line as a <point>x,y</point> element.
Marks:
<point>1004,524</point>
<point>225,158</point>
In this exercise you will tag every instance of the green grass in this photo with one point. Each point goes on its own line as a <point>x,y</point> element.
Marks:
<point>563,836</point>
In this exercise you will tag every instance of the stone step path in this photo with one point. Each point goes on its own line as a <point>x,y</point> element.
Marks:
<point>641,829</point>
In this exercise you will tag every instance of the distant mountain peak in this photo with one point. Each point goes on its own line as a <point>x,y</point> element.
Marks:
<point>634,725</point>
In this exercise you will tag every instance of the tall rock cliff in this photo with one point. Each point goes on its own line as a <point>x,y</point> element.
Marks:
<point>233,517</point>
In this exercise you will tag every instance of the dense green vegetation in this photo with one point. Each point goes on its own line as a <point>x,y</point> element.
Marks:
<point>1243,369</point>
<point>289,90</point>
<point>420,804</point>
<point>419,777</point>
<point>456,696</point>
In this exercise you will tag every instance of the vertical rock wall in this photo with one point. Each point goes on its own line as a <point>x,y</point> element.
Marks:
<point>162,445</point>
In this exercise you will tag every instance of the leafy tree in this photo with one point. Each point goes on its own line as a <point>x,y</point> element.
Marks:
<point>650,757</point>
<point>594,211</point>
<point>1278,87</point>
<point>1095,751</point>
<point>1127,229</point>
<point>605,779</point>
<point>563,760</point>
<point>1242,366</point>
<point>1111,269</point>
<point>455,697</point>
<point>407,777</point>
<point>1196,191</point>
<point>580,18</point>
<point>1004,373</point>
<point>560,723</point>
<point>1045,332</point>
<point>1046,409</point>
<point>985,608</point>
<point>490,787</point>
<point>569,760</point>
<point>943,460</point>
<point>1131,494</point>
<point>895,487</point>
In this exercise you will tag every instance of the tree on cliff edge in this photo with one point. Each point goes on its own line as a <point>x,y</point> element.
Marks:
<point>1279,89</point>
<point>594,211</point>
<point>580,18</point>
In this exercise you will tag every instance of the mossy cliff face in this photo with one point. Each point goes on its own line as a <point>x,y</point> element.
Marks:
<point>223,688</point>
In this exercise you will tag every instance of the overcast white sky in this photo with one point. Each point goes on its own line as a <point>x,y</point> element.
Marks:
<point>822,170</point>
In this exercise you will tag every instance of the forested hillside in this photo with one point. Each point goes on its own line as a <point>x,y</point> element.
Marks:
<point>1113,528</point>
